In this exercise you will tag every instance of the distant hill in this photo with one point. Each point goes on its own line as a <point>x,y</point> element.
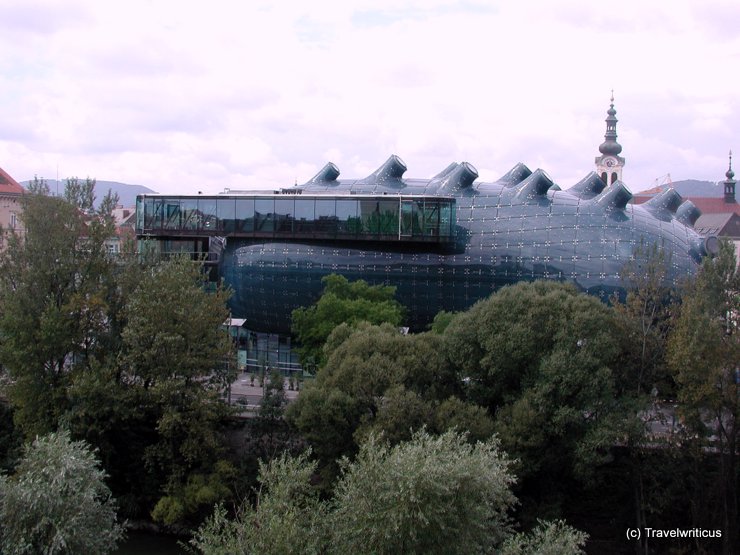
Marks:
<point>692,188</point>
<point>126,193</point>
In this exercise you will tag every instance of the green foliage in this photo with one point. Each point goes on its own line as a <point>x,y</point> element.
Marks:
<point>428,495</point>
<point>56,288</point>
<point>198,492</point>
<point>548,538</point>
<point>38,186</point>
<point>643,321</point>
<point>441,320</point>
<point>539,356</point>
<point>379,381</point>
<point>703,351</point>
<point>342,302</point>
<point>80,193</point>
<point>57,502</point>
<point>288,517</point>
<point>177,354</point>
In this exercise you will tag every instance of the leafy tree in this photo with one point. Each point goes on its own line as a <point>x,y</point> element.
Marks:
<point>643,323</point>
<point>429,495</point>
<point>704,350</point>
<point>57,502</point>
<point>56,285</point>
<point>80,193</point>
<point>38,186</point>
<point>548,538</point>
<point>288,516</point>
<point>342,302</point>
<point>176,356</point>
<point>377,380</point>
<point>644,320</point>
<point>539,357</point>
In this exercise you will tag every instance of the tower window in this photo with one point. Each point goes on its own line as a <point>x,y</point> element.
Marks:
<point>614,177</point>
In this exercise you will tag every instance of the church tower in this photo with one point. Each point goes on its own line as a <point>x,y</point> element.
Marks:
<point>609,165</point>
<point>730,184</point>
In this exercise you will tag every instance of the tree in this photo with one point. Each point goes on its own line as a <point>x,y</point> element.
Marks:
<point>57,502</point>
<point>539,357</point>
<point>377,380</point>
<point>644,320</point>
<point>176,356</point>
<point>288,517</point>
<point>80,193</point>
<point>342,302</point>
<point>548,538</point>
<point>428,495</point>
<point>56,286</point>
<point>703,351</point>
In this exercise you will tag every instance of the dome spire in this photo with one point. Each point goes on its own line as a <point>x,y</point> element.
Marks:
<point>610,146</point>
<point>730,174</point>
<point>730,183</point>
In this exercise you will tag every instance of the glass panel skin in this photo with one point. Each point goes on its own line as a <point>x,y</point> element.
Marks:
<point>412,238</point>
<point>226,209</point>
<point>326,218</point>
<point>379,217</point>
<point>148,205</point>
<point>190,217</point>
<point>140,203</point>
<point>284,209</point>
<point>304,217</point>
<point>209,217</point>
<point>347,221</point>
<point>171,214</point>
<point>245,215</point>
<point>264,215</point>
<point>407,218</point>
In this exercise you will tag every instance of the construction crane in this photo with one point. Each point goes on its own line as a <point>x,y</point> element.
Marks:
<point>663,183</point>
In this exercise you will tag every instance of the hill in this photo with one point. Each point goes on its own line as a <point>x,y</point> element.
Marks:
<point>691,188</point>
<point>126,193</point>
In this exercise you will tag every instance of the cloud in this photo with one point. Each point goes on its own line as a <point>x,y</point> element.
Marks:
<point>186,96</point>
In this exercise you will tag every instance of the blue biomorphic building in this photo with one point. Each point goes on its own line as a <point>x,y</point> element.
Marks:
<point>444,242</point>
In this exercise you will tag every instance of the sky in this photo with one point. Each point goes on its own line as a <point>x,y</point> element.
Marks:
<point>185,96</point>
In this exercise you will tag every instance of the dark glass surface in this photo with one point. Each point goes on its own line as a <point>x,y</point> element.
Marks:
<point>479,238</point>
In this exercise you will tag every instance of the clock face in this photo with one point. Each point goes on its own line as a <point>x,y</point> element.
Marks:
<point>609,162</point>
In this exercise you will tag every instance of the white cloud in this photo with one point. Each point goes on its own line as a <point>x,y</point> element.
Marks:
<point>185,96</point>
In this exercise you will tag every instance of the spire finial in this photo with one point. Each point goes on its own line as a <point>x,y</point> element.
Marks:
<point>612,98</point>
<point>730,174</point>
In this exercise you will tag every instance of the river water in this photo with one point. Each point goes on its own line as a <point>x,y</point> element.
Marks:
<point>146,543</point>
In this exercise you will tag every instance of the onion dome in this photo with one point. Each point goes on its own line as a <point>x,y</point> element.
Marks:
<point>610,146</point>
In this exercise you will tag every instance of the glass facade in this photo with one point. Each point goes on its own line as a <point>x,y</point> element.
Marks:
<point>353,218</point>
<point>443,245</point>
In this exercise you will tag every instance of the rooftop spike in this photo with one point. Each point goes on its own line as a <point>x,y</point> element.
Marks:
<point>588,187</point>
<point>703,246</point>
<point>667,200</point>
<point>329,172</point>
<point>445,171</point>
<point>688,213</point>
<point>515,175</point>
<point>393,168</point>
<point>616,196</point>
<point>536,184</point>
<point>461,177</point>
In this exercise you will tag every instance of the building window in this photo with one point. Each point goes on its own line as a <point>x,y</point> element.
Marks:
<point>13,220</point>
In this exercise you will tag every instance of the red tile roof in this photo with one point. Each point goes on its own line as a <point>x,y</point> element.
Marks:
<point>707,205</point>
<point>8,184</point>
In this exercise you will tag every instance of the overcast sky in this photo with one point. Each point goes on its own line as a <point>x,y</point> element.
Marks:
<point>185,96</point>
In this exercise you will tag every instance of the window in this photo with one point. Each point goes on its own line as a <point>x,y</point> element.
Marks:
<point>13,220</point>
